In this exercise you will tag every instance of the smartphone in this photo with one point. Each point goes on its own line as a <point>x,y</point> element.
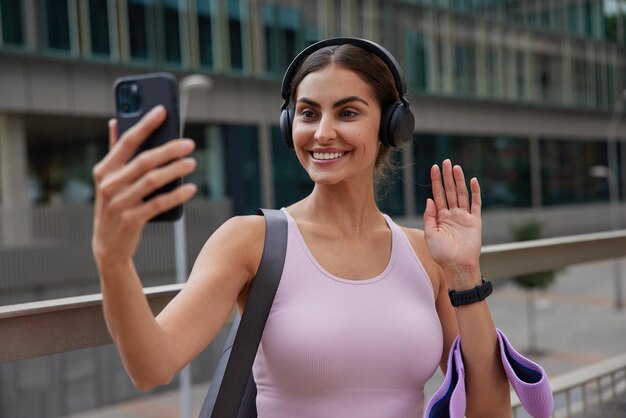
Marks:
<point>135,96</point>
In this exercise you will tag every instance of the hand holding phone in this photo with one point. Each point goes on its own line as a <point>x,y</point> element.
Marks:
<point>135,96</point>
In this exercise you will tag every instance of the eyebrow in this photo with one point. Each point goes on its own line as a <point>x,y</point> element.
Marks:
<point>337,103</point>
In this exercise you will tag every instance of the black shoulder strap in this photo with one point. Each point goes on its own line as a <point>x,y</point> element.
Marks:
<point>260,299</point>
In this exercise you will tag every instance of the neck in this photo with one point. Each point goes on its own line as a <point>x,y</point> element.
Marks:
<point>350,208</point>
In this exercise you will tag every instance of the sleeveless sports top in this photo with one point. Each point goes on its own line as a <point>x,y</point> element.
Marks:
<point>338,348</point>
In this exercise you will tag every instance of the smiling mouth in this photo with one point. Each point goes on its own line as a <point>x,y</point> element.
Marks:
<point>325,156</point>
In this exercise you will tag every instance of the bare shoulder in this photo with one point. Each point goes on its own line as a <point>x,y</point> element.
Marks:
<point>240,237</point>
<point>418,242</point>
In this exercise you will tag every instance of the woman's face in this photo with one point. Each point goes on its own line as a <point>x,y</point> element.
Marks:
<point>336,124</point>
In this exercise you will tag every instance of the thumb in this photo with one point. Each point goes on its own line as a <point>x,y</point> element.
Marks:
<point>430,215</point>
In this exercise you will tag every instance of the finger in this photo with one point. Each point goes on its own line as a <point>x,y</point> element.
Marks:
<point>112,133</point>
<point>134,194</point>
<point>145,162</point>
<point>476,199</point>
<point>461,188</point>
<point>439,196</point>
<point>430,215</point>
<point>450,186</point>
<point>160,204</point>
<point>136,135</point>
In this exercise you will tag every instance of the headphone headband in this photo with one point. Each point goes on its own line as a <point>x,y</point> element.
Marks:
<point>365,44</point>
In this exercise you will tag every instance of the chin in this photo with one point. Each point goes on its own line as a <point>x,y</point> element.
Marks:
<point>324,181</point>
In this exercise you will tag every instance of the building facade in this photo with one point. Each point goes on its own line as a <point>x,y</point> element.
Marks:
<point>525,89</point>
<point>520,92</point>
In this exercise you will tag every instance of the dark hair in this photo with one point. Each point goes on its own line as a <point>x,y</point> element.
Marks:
<point>372,69</point>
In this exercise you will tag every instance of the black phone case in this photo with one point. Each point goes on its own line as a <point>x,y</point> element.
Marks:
<point>155,88</point>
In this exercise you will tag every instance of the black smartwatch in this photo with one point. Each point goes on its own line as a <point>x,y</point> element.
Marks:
<point>476,294</point>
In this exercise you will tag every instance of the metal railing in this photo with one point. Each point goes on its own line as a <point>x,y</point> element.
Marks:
<point>40,328</point>
<point>589,390</point>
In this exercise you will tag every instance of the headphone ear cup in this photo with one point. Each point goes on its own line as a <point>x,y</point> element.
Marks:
<point>286,119</point>
<point>397,125</point>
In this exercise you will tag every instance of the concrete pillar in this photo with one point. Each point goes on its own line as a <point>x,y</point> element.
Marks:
<point>15,215</point>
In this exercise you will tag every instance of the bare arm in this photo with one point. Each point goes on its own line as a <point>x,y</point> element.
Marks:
<point>452,229</point>
<point>154,349</point>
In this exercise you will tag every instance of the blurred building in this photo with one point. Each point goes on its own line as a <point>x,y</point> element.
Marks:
<point>520,92</point>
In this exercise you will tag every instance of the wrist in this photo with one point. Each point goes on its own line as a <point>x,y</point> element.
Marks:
<point>109,264</point>
<point>460,279</point>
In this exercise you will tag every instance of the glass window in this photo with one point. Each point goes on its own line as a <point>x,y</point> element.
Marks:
<point>57,24</point>
<point>140,29</point>
<point>12,22</point>
<point>440,64</point>
<point>579,75</point>
<point>544,16</point>
<point>228,164</point>
<point>282,36</point>
<point>460,5</point>
<point>610,19</point>
<point>513,11</point>
<point>234,34</point>
<point>492,76</point>
<point>390,190</point>
<point>588,23</point>
<point>624,24</point>
<point>60,173</point>
<point>291,182</point>
<point>99,27</point>
<point>205,32</point>
<point>418,62</point>
<point>547,78</point>
<point>572,18</point>
<point>465,70</point>
<point>599,85</point>
<point>566,171</point>
<point>501,164</point>
<point>521,79</point>
<point>171,31</point>
<point>210,174</point>
<point>610,86</point>
<point>241,146</point>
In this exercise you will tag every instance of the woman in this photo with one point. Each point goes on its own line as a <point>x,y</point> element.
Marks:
<point>362,316</point>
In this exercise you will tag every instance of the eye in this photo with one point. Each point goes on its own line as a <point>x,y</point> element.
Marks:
<point>307,114</point>
<point>348,114</point>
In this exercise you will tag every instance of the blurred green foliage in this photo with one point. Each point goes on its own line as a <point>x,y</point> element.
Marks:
<point>530,230</point>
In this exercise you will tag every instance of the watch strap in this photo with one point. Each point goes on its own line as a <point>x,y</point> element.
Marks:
<point>467,297</point>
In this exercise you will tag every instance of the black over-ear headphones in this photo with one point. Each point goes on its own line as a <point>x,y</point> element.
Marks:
<point>397,121</point>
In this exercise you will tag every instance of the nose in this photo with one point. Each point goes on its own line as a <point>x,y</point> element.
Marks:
<point>325,130</point>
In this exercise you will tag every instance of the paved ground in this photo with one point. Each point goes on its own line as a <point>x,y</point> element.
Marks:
<point>577,325</point>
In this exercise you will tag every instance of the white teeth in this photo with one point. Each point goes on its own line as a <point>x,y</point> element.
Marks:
<point>327,155</point>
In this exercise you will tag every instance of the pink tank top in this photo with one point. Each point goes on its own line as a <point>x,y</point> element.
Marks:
<point>338,348</point>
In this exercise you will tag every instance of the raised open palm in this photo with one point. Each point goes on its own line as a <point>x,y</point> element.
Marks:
<point>453,225</point>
